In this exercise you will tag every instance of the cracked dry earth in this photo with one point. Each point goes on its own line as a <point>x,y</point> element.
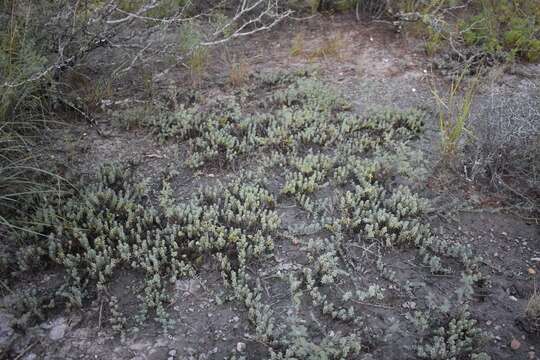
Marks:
<point>375,68</point>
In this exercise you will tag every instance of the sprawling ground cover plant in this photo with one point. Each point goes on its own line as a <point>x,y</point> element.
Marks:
<point>338,169</point>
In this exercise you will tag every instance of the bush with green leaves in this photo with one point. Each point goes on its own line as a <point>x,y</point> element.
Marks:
<point>505,26</point>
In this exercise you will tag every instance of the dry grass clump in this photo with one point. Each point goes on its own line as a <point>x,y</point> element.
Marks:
<point>532,311</point>
<point>238,73</point>
<point>298,45</point>
<point>330,47</point>
<point>454,112</point>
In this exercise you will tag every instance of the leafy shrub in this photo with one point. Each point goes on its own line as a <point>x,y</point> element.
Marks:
<point>510,26</point>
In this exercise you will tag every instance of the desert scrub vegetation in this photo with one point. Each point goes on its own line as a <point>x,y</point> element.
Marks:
<point>505,26</point>
<point>312,205</point>
<point>497,148</point>
<point>110,225</point>
<point>337,167</point>
<point>458,338</point>
<point>295,113</point>
<point>23,112</point>
<point>476,32</point>
<point>47,76</point>
<point>464,34</point>
<point>501,153</point>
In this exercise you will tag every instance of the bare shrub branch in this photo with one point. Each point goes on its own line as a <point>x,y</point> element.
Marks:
<point>78,30</point>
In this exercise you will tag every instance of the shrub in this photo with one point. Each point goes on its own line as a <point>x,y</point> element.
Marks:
<point>504,26</point>
<point>503,154</point>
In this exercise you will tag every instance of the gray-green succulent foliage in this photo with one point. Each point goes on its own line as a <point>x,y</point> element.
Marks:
<point>337,166</point>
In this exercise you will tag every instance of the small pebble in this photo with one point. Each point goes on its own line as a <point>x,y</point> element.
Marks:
<point>515,344</point>
<point>240,347</point>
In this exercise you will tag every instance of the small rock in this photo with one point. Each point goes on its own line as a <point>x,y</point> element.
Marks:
<point>409,305</point>
<point>58,330</point>
<point>515,344</point>
<point>531,271</point>
<point>172,352</point>
<point>240,347</point>
<point>532,355</point>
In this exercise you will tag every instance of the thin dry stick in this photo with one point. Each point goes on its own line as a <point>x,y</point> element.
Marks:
<point>100,313</point>
<point>25,350</point>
